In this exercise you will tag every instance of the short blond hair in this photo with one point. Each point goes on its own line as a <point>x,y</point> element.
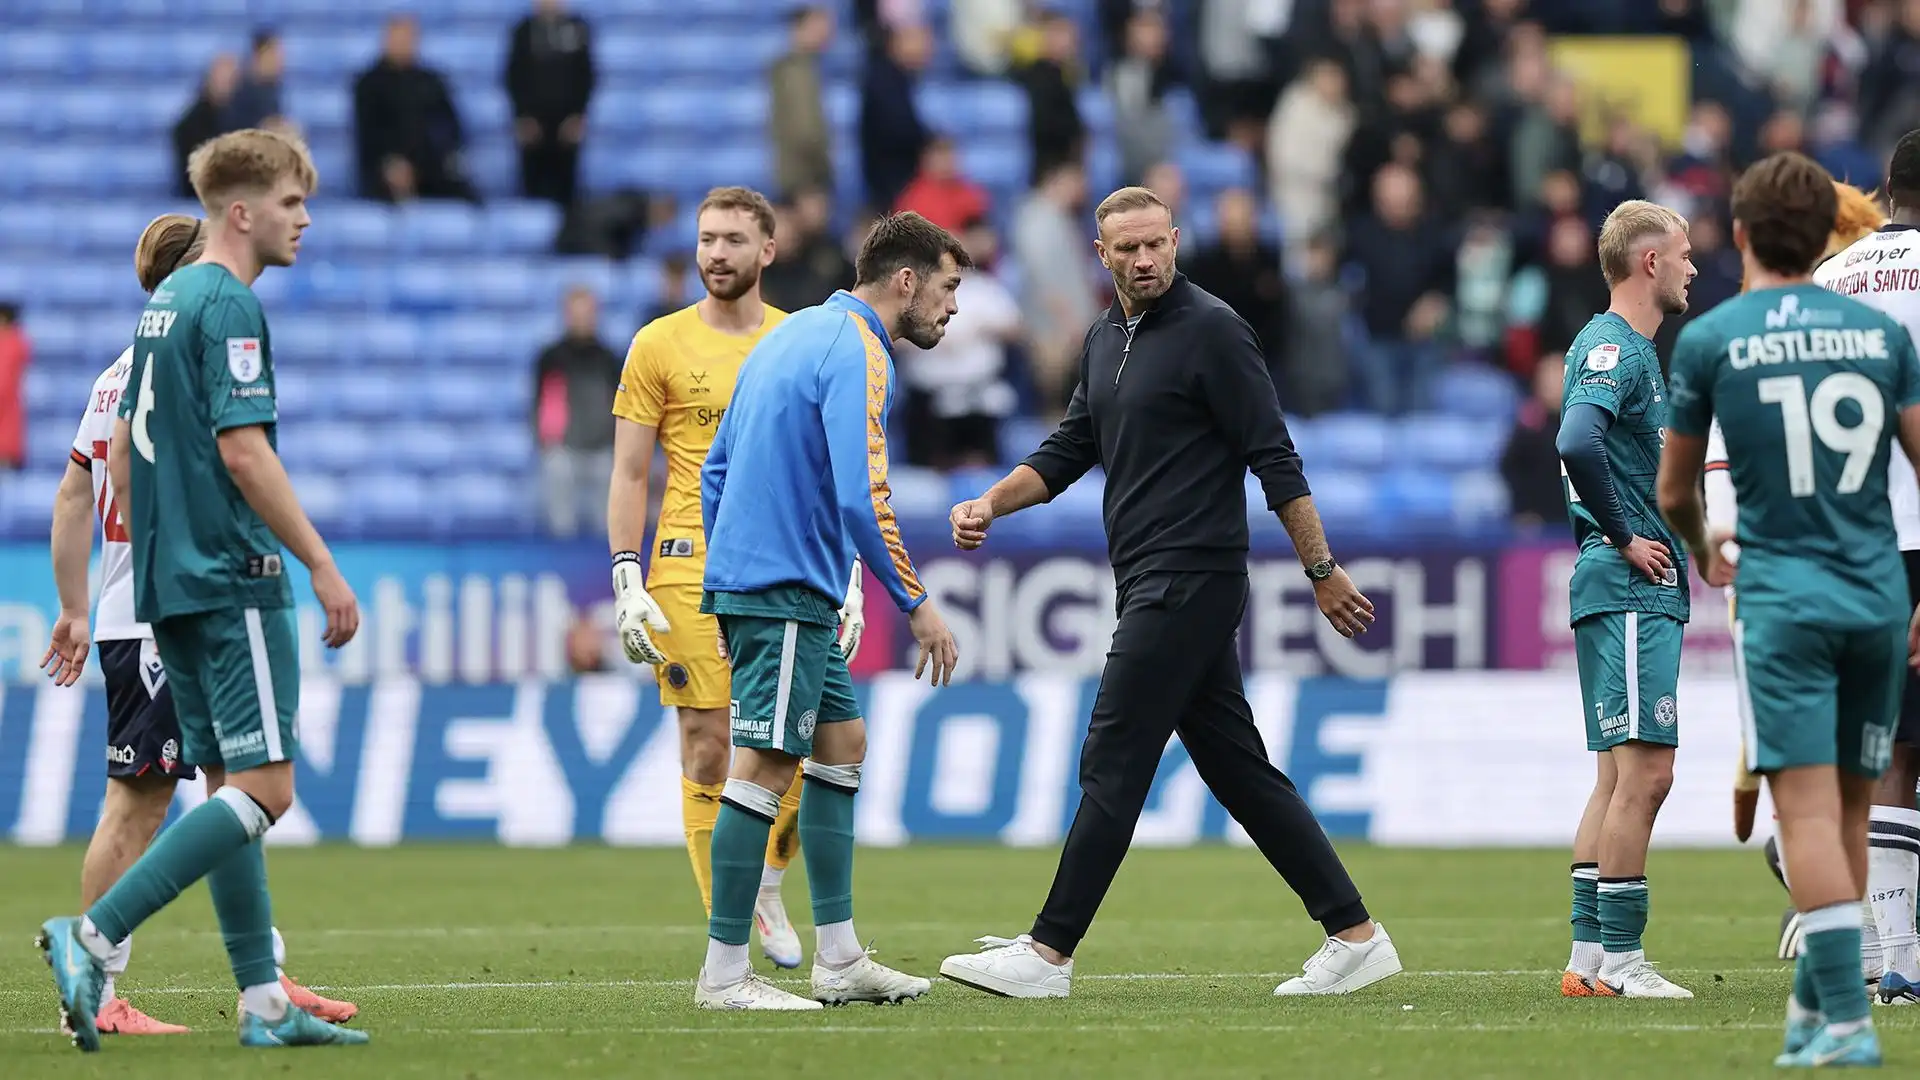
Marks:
<point>252,159</point>
<point>1631,224</point>
<point>168,242</point>
<point>1128,199</point>
<point>740,198</point>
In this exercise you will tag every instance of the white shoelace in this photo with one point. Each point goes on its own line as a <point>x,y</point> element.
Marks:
<point>1321,958</point>
<point>991,944</point>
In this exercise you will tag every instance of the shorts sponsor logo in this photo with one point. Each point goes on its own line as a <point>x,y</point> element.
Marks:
<point>748,727</point>
<point>1611,725</point>
<point>169,755</point>
<point>677,676</point>
<point>676,548</point>
<point>1665,712</point>
<point>805,725</point>
<point>247,742</point>
<point>120,755</point>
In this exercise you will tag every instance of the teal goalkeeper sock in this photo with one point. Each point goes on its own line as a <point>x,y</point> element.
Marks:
<point>826,839</point>
<point>1623,913</point>
<point>739,854</point>
<point>1586,902</point>
<point>182,855</point>
<point>1832,953</point>
<point>240,899</point>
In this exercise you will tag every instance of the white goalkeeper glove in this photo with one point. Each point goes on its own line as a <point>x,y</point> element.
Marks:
<point>635,615</point>
<point>853,617</point>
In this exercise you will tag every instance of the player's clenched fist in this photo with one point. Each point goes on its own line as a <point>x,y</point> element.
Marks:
<point>971,520</point>
<point>635,615</point>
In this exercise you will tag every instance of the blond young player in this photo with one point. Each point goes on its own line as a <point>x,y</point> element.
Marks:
<point>678,379</point>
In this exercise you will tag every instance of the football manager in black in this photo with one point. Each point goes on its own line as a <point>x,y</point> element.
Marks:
<point>1176,403</point>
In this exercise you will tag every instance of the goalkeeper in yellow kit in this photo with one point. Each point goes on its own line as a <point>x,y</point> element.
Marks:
<point>676,384</point>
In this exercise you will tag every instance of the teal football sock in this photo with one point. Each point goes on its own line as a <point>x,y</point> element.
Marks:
<point>1832,953</point>
<point>739,853</point>
<point>1623,913</point>
<point>183,854</point>
<point>826,839</point>
<point>239,888</point>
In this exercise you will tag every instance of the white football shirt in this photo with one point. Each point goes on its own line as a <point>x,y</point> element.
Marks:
<point>1882,270</point>
<point>113,616</point>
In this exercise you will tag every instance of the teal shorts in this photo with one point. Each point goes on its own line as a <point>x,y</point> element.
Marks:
<point>788,677</point>
<point>1629,677</point>
<point>235,674</point>
<point>1812,695</point>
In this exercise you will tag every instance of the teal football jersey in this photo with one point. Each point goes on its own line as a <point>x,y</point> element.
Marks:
<point>1808,386</point>
<point>1612,366</point>
<point>202,364</point>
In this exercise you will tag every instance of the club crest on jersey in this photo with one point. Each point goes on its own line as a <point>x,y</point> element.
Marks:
<point>243,359</point>
<point>1603,357</point>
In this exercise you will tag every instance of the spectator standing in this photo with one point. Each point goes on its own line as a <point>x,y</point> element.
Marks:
<point>940,193</point>
<point>14,357</point>
<point>1530,462</point>
<point>1053,112</point>
<point>1465,169</point>
<point>257,102</point>
<point>802,141</point>
<point>406,128</point>
<point>892,134</point>
<point>1314,357</point>
<point>1243,270</point>
<point>982,32</point>
<point>1890,85</point>
<point>1575,286</point>
<point>1167,181</point>
<point>1407,262</point>
<point>1783,44</point>
<point>1137,82</point>
<point>1237,79</point>
<point>808,262</point>
<point>1306,142</point>
<point>206,118</point>
<point>1547,137</point>
<point>550,79</point>
<point>575,380</point>
<point>957,392</point>
<point>1050,246</point>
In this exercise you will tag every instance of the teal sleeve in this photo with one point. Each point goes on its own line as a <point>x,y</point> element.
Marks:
<point>1604,376</point>
<point>1908,387</point>
<point>1691,382</point>
<point>237,366</point>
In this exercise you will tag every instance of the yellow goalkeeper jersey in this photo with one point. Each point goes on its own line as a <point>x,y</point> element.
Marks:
<point>678,379</point>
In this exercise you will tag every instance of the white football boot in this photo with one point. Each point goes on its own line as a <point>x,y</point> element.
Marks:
<point>865,980</point>
<point>1011,968</point>
<point>778,939</point>
<point>752,992</point>
<point>1341,967</point>
<point>1638,979</point>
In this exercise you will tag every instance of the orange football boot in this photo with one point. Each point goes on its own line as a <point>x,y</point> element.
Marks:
<point>119,1018</point>
<point>333,1012</point>
<point>1572,984</point>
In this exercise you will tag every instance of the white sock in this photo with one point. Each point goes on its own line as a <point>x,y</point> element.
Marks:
<point>1587,957</point>
<point>836,945</point>
<point>116,964</point>
<point>1800,1014</point>
<point>279,949</point>
<point>1842,1030</point>
<point>770,877</point>
<point>1893,865</point>
<point>1612,962</point>
<point>94,941</point>
<point>266,1001</point>
<point>726,964</point>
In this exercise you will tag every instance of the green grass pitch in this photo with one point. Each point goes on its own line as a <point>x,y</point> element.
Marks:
<point>477,963</point>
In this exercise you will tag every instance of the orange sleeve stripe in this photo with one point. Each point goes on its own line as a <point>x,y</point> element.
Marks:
<point>81,459</point>
<point>1717,466</point>
<point>881,491</point>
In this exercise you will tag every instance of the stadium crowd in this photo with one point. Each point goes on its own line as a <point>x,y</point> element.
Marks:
<point>1387,190</point>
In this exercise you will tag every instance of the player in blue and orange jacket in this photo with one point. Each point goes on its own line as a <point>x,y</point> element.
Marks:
<point>794,487</point>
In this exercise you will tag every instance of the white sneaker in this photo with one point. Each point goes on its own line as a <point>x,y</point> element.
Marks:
<point>778,939</point>
<point>865,980</point>
<point>1341,967</point>
<point>1640,980</point>
<point>752,992</point>
<point>1873,955</point>
<point>1011,968</point>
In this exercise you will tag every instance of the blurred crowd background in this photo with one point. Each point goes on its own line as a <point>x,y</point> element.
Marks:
<point>1401,197</point>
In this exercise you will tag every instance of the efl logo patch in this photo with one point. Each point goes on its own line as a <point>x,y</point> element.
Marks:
<point>677,548</point>
<point>243,359</point>
<point>1603,357</point>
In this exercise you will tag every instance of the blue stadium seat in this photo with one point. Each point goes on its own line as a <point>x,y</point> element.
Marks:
<point>484,106</point>
<point>321,107</point>
<point>486,504</point>
<point>302,393</point>
<point>1096,111</point>
<point>44,53</point>
<point>1476,391</point>
<point>1415,501</point>
<point>1352,441</point>
<point>460,53</point>
<point>49,441</point>
<point>392,502</point>
<point>475,339</point>
<point>841,102</point>
<point>37,229</point>
<point>335,58</point>
<point>493,165</point>
<point>1449,443</point>
<point>58,390</point>
<point>1000,164</point>
<point>377,394</point>
<point>1348,501</point>
<point>421,286</point>
<point>343,286</point>
<point>106,228</point>
<point>325,501</point>
<point>974,109</point>
<point>507,396</point>
<point>520,227</point>
<point>363,228</point>
<point>421,446</point>
<point>21,107</point>
<point>332,446</point>
<point>390,339</point>
<point>497,446</point>
<point>26,499</point>
<point>1481,503</point>
<point>1210,167</point>
<point>437,228</point>
<point>919,492</point>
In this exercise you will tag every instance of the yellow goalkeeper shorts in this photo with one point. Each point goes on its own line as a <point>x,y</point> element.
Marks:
<point>695,675</point>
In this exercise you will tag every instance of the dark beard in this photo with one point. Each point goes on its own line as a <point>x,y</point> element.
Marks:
<point>743,282</point>
<point>919,331</point>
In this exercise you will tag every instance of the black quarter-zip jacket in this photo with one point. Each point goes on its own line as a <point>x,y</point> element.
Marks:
<point>1176,411</point>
